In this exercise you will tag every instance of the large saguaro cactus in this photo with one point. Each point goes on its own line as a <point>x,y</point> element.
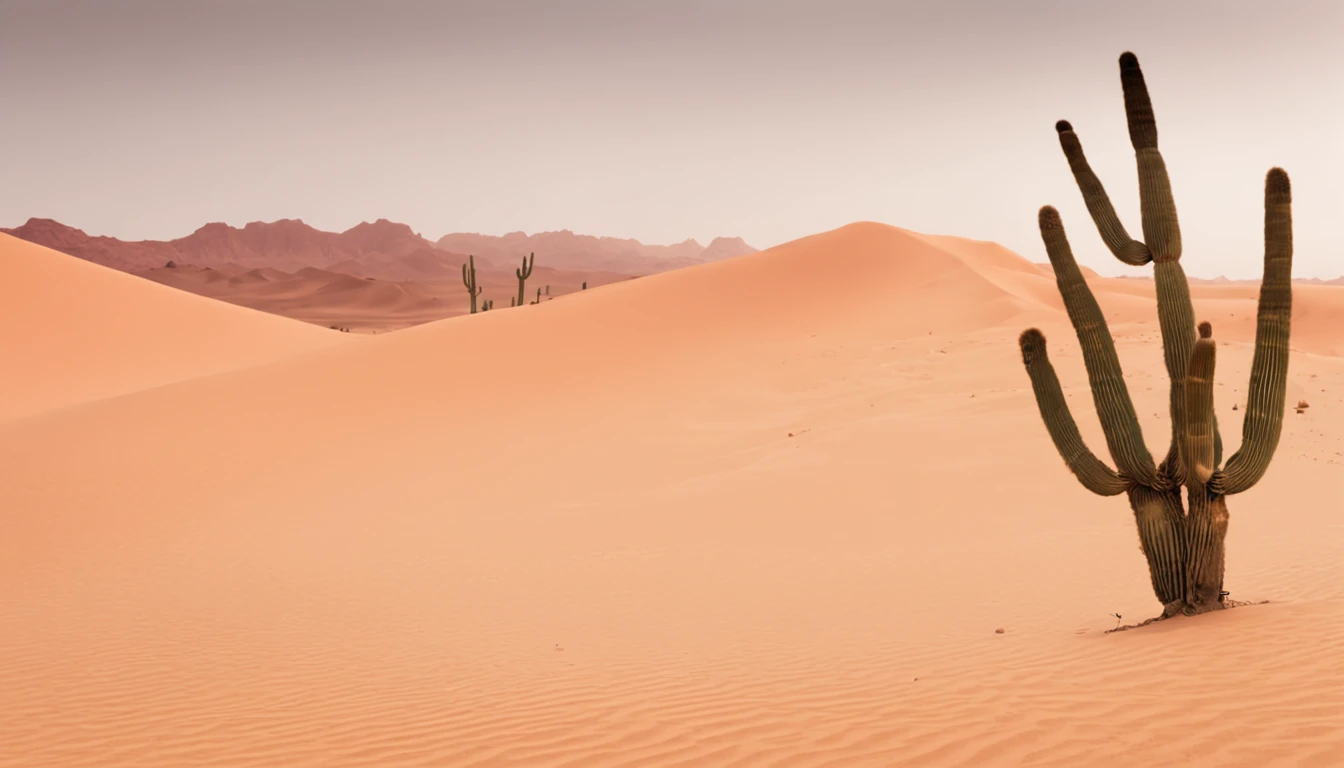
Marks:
<point>524,272</point>
<point>1183,542</point>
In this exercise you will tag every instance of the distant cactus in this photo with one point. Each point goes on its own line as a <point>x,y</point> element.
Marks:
<point>1183,544</point>
<point>469,280</point>
<point>513,301</point>
<point>548,289</point>
<point>487,305</point>
<point>585,286</point>
<point>538,301</point>
<point>524,272</point>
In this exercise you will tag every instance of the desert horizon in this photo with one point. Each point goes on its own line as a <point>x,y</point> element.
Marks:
<point>861,477</point>
<point>395,279</point>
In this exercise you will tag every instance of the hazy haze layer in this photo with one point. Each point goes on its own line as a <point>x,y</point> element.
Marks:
<point>664,121</point>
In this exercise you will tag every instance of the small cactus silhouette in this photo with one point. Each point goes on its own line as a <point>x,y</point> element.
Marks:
<point>524,272</point>
<point>469,280</point>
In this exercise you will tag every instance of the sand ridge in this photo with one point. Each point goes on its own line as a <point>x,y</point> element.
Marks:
<point>74,331</point>
<point>765,511</point>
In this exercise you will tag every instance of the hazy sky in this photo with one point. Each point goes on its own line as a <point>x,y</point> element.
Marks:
<point>769,119</point>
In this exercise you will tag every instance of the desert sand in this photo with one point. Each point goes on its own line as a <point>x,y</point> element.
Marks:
<point>74,331</point>
<point>766,511</point>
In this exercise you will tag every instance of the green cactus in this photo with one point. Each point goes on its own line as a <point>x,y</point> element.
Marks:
<point>1183,542</point>
<point>524,272</point>
<point>469,280</point>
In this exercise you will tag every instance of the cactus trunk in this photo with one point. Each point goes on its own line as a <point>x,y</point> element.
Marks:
<point>1184,551</point>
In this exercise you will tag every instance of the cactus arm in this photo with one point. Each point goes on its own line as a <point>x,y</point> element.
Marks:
<point>1090,471</point>
<point>1125,248</point>
<point>1118,420</point>
<point>1263,423</point>
<point>1197,450</point>
<point>1161,230</point>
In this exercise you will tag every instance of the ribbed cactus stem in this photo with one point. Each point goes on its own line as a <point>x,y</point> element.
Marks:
<point>1263,422</point>
<point>523,272</point>
<point>1161,523</point>
<point>1090,471</point>
<point>1161,232</point>
<point>1138,106</point>
<point>1176,318</point>
<point>1124,437</point>
<point>1125,248</point>
<point>1197,454</point>
<point>1205,531</point>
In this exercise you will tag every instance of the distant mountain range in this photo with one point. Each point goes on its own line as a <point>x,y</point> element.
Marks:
<point>381,249</point>
<point>566,250</point>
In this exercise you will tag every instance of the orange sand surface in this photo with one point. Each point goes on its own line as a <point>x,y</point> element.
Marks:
<point>74,331</point>
<point>765,511</point>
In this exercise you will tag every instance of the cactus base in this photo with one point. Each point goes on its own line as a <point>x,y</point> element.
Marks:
<point>1184,549</point>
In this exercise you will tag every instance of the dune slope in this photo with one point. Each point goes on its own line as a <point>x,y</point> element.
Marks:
<point>73,331</point>
<point>766,511</point>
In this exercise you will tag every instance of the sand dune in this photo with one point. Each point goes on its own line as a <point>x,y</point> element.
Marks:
<point>74,331</point>
<point>765,511</point>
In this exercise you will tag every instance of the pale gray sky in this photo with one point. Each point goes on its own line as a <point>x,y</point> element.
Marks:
<point>769,119</point>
